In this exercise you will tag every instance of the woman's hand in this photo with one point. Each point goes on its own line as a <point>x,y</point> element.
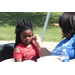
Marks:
<point>59,58</point>
<point>37,41</point>
<point>43,50</point>
<point>72,60</point>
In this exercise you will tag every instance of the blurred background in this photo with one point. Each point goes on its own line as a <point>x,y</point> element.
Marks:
<point>8,23</point>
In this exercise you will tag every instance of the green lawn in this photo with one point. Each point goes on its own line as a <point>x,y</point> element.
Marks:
<point>8,24</point>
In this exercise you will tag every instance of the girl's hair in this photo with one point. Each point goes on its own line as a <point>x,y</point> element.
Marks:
<point>67,23</point>
<point>23,24</point>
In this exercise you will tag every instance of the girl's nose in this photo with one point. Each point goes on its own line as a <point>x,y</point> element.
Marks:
<point>27,37</point>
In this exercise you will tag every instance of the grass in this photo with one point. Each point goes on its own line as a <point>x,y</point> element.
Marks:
<point>53,34</point>
<point>8,24</point>
<point>7,33</point>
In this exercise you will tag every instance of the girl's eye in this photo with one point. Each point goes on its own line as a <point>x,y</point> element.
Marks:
<point>24,36</point>
<point>29,35</point>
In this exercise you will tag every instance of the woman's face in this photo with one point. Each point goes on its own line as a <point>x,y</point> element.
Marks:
<point>26,36</point>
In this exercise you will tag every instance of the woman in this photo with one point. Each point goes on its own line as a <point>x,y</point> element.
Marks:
<point>67,25</point>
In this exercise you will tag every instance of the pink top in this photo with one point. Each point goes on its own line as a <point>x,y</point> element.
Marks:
<point>26,53</point>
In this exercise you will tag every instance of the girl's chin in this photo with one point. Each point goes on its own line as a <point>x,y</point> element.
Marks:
<point>26,43</point>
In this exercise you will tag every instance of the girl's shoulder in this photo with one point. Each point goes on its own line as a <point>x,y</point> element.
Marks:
<point>19,47</point>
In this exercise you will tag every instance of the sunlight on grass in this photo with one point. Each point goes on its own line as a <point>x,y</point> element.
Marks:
<point>53,33</point>
<point>8,24</point>
<point>7,33</point>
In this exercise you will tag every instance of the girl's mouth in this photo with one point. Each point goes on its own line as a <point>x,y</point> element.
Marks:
<point>28,42</point>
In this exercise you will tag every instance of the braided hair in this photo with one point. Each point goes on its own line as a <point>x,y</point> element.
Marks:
<point>23,24</point>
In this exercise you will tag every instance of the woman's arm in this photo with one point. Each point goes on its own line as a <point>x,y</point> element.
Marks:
<point>43,50</point>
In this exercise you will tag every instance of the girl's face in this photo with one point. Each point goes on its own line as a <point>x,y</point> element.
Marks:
<point>26,36</point>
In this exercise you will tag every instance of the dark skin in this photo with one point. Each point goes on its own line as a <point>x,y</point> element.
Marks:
<point>26,37</point>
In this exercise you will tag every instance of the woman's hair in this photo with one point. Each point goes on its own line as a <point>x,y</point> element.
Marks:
<point>23,24</point>
<point>67,23</point>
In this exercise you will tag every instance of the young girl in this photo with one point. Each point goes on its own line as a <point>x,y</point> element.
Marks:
<point>24,48</point>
